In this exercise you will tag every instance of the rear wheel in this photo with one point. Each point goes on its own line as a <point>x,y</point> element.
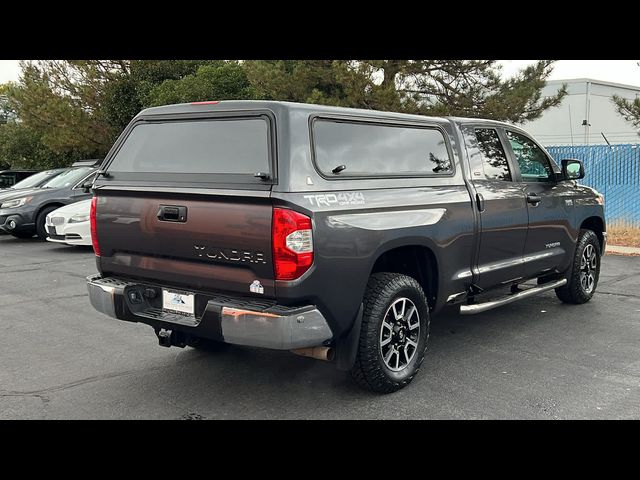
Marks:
<point>41,228</point>
<point>585,270</point>
<point>394,334</point>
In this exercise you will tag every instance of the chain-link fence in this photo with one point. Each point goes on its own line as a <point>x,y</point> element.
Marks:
<point>615,172</point>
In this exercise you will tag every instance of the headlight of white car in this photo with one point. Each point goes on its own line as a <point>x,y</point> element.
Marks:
<point>18,202</point>
<point>79,218</point>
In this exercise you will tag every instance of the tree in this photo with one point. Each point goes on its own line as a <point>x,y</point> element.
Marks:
<point>68,110</point>
<point>5,108</point>
<point>76,109</point>
<point>21,146</point>
<point>4,118</point>
<point>214,81</point>
<point>629,109</point>
<point>60,111</point>
<point>62,100</point>
<point>129,93</point>
<point>306,81</point>
<point>472,88</point>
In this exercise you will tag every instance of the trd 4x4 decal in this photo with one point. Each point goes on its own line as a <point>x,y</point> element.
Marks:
<point>336,199</point>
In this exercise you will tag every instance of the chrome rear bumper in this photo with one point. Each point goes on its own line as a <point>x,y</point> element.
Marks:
<point>237,321</point>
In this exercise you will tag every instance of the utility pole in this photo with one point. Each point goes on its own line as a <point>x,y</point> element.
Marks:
<point>585,122</point>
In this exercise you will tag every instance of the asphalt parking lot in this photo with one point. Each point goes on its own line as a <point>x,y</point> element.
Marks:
<point>535,359</point>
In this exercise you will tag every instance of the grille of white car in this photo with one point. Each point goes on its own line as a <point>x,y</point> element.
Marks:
<point>57,220</point>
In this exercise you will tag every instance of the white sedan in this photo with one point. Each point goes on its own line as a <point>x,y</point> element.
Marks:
<point>70,224</point>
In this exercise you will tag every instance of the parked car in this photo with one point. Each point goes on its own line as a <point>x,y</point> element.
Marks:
<point>70,224</point>
<point>23,213</point>
<point>332,232</point>
<point>8,178</point>
<point>33,181</point>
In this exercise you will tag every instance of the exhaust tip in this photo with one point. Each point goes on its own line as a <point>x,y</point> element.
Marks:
<point>331,354</point>
<point>319,353</point>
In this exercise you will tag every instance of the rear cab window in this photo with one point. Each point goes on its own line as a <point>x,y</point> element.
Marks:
<point>366,149</point>
<point>218,150</point>
<point>494,159</point>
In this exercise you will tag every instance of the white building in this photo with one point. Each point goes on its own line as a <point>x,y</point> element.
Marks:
<point>585,114</point>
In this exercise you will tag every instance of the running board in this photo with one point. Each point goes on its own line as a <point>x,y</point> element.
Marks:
<point>483,307</point>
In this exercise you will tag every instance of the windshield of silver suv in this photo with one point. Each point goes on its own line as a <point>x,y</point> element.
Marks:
<point>68,178</point>
<point>37,179</point>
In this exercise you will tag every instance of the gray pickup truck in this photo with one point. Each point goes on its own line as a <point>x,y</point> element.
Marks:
<point>334,233</point>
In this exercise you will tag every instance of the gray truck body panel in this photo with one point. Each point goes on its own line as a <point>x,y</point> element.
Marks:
<point>355,220</point>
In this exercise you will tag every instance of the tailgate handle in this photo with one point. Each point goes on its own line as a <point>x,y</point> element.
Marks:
<point>172,213</point>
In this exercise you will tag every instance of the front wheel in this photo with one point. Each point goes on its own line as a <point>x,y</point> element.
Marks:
<point>394,334</point>
<point>41,219</point>
<point>585,270</point>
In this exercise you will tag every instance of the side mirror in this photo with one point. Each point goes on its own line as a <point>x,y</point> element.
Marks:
<point>572,169</point>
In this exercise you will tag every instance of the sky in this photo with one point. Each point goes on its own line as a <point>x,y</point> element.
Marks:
<point>9,70</point>
<point>619,71</point>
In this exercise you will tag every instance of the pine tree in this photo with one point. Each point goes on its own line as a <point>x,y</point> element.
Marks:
<point>629,109</point>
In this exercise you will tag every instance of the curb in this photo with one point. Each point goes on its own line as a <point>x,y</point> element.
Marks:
<point>620,250</point>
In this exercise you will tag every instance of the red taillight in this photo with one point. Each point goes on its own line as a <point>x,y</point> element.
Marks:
<point>212,102</point>
<point>94,234</point>
<point>292,244</point>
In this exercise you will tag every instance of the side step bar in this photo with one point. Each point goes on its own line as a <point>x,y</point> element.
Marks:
<point>483,307</point>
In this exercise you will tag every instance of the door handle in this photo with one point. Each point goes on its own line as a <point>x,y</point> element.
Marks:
<point>172,213</point>
<point>480,202</point>
<point>533,199</point>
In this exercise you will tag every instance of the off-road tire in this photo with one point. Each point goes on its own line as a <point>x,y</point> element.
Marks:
<point>41,229</point>
<point>370,370</point>
<point>573,292</point>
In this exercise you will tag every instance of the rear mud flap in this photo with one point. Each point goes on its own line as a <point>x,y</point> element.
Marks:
<point>347,347</point>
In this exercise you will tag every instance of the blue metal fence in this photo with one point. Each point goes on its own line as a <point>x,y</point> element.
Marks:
<point>615,172</point>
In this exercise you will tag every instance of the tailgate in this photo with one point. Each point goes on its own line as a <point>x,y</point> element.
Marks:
<point>186,202</point>
<point>222,244</point>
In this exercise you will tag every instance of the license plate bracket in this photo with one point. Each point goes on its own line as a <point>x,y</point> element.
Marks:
<point>182,303</point>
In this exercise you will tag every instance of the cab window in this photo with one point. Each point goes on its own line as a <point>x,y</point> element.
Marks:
<point>533,162</point>
<point>349,148</point>
<point>494,160</point>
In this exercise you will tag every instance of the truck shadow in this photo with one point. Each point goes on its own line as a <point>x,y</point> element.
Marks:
<point>296,387</point>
